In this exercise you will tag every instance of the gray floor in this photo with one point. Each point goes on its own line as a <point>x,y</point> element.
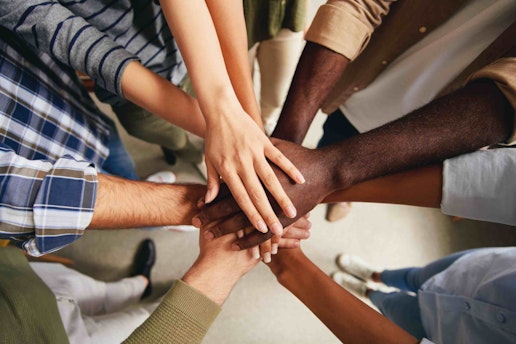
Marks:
<point>259,310</point>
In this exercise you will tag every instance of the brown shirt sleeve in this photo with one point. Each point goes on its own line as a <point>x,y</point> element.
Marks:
<point>345,26</point>
<point>503,73</point>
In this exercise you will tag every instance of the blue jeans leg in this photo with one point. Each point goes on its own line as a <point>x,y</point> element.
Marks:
<point>411,279</point>
<point>402,309</point>
<point>336,128</point>
<point>119,162</point>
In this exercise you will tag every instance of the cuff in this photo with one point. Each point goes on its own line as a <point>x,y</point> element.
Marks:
<point>503,73</point>
<point>64,205</point>
<point>481,186</point>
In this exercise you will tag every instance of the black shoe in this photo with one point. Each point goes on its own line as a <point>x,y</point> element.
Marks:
<point>143,263</point>
<point>170,156</point>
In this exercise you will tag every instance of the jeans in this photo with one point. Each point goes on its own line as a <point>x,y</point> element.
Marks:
<point>119,162</point>
<point>336,128</point>
<point>403,307</point>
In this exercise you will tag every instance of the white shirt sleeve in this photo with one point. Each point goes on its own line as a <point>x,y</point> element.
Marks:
<point>425,341</point>
<point>481,186</point>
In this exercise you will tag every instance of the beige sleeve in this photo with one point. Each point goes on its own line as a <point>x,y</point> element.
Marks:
<point>503,73</point>
<point>183,317</point>
<point>345,26</point>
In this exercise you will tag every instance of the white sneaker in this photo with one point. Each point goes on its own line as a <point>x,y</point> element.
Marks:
<point>355,266</point>
<point>166,177</point>
<point>350,283</point>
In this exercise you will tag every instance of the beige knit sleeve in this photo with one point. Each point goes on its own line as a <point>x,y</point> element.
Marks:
<point>183,317</point>
<point>345,26</point>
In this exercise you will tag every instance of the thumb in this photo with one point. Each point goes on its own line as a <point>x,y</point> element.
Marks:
<point>213,186</point>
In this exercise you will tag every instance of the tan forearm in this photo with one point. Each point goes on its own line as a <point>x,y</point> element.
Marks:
<point>161,97</point>
<point>420,187</point>
<point>124,203</point>
<point>351,320</point>
<point>228,18</point>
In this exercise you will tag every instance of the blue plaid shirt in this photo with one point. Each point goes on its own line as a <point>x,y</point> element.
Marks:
<point>51,138</point>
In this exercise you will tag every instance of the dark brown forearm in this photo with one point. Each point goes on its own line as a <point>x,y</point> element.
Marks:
<point>318,70</point>
<point>420,187</point>
<point>351,320</point>
<point>471,118</point>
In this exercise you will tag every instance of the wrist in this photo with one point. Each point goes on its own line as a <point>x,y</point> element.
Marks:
<point>213,282</point>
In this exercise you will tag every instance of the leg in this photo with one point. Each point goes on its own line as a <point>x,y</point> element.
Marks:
<point>336,128</point>
<point>119,162</point>
<point>401,308</point>
<point>92,296</point>
<point>277,59</point>
<point>115,327</point>
<point>411,279</point>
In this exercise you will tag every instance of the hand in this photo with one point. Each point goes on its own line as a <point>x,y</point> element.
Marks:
<point>237,150</point>
<point>218,268</point>
<point>224,216</point>
<point>291,238</point>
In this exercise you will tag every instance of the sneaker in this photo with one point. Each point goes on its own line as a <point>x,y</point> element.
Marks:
<point>355,266</point>
<point>350,283</point>
<point>166,177</point>
<point>337,211</point>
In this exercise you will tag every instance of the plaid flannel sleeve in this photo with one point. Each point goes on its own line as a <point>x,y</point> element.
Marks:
<point>45,206</point>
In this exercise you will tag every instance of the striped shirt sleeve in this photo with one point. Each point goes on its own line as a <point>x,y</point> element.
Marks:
<point>45,206</point>
<point>51,27</point>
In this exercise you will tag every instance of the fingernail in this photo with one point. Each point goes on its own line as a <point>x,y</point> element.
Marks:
<point>262,227</point>
<point>277,228</point>
<point>267,257</point>
<point>290,211</point>
<point>208,235</point>
<point>240,234</point>
<point>196,222</point>
<point>300,178</point>
<point>256,253</point>
<point>274,249</point>
<point>207,197</point>
<point>235,247</point>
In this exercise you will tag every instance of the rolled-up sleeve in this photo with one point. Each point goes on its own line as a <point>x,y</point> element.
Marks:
<point>481,186</point>
<point>45,206</point>
<point>503,73</point>
<point>345,26</point>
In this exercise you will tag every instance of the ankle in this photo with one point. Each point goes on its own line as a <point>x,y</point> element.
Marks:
<point>376,276</point>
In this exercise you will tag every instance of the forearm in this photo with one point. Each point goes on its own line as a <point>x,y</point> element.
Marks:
<point>351,320</point>
<point>420,187</point>
<point>229,23</point>
<point>161,97</point>
<point>318,70</point>
<point>195,33</point>
<point>464,121</point>
<point>123,203</point>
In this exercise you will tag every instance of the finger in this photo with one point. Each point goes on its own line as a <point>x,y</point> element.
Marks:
<point>297,233</point>
<point>302,222</point>
<point>239,192</point>
<point>271,182</point>
<point>218,209</point>
<point>229,225</point>
<point>252,239</point>
<point>274,244</point>
<point>276,156</point>
<point>259,198</point>
<point>265,251</point>
<point>289,243</point>
<point>213,182</point>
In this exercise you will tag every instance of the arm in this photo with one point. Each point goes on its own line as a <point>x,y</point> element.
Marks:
<point>351,320</point>
<point>189,308</point>
<point>236,147</point>
<point>474,117</point>
<point>339,32</point>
